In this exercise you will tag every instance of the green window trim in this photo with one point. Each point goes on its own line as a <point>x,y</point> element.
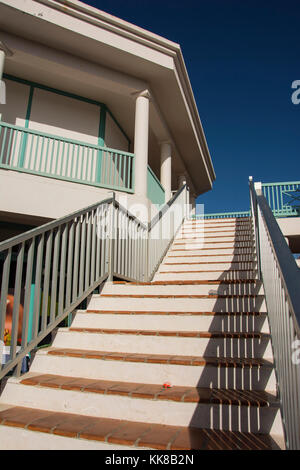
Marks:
<point>27,119</point>
<point>70,95</point>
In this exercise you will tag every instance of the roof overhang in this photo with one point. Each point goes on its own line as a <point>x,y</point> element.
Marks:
<point>95,36</point>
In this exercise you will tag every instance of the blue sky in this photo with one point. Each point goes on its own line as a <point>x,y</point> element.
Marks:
<point>242,57</point>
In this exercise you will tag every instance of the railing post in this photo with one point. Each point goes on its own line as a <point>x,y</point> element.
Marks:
<point>253,203</point>
<point>111,231</point>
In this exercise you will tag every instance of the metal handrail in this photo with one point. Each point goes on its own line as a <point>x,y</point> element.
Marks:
<point>53,268</point>
<point>281,279</point>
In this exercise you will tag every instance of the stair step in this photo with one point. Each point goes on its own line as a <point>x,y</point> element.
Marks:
<point>161,358</point>
<point>187,283</point>
<point>212,372</point>
<point>153,403</point>
<point>204,267</point>
<point>180,334</point>
<point>155,392</point>
<point>224,258</point>
<point>211,251</point>
<point>216,303</point>
<point>170,321</point>
<point>190,276</point>
<point>158,288</point>
<point>177,296</point>
<point>127,433</point>
<point>177,312</point>
<point>230,229</point>
<point>229,345</point>
<point>201,243</point>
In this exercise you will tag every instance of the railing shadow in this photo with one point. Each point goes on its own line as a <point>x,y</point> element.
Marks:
<point>233,376</point>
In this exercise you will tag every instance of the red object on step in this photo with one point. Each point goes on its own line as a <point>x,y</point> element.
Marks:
<point>167,385</point>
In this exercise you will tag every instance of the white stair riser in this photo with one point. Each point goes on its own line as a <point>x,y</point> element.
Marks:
<point>12,438</point>
<point>230,230</point>
<point>202,276</point>
<point>148,344</point>
<point>221,241</point>
<point>205,244</point>
<point>221,228</point>
<point>202,258</point>
<point>173,304</point>
<point>219,221</point>
<point>192,251</point>
<point>172,413</point>
<point>238,323</point>
<point>203,266</point>
<point>223,289</point>
<point>262,378</point>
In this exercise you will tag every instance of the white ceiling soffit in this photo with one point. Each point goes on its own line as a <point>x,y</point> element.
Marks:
<point>84,31</point>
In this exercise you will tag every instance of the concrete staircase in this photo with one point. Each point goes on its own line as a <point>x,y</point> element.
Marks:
<point>200,326</point>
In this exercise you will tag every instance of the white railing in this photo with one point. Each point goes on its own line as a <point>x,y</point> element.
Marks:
<point>50,270</point>
<point>281,279</point>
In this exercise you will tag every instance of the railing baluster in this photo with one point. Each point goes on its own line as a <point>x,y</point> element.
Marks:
<point>37,291</point>
<point>55,264</point>
<point>88,251</point>
<point>70,264</point>
<point>46,279</point>
<point>17,295</point>
<point>76,259</point>
<point>82,255</point>
<point>3,144</point>
<point>27,297</point>
<point>62,269</point>
<point>93,249</point>
<point>4,291</point>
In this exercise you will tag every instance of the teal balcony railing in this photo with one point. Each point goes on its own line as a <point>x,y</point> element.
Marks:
<point>283,198</point>
<point>155,191</point>
<point>42,154</point>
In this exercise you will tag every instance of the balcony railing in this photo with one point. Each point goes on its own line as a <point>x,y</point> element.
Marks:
<point>155,191</point>
<point>283,198</point>
<point>42,154</point>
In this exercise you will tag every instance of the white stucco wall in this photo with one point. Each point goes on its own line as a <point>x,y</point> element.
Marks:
<point>290,226</point>
<point>114,138</point>
<point>45,197</point>
<point>64,116</point>
<point>17,96</point>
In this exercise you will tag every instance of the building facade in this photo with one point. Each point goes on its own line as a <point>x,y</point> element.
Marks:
<point>91,104</point>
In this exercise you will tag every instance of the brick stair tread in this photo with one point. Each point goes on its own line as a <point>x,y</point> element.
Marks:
<point>217,248</point>
<point>196,241</point>
<point>128,433</point>
<point>155,391</point>
<point>188,282</point>
<point>179,296</point>
<point>211,256</point>
<point>164,312</point>
<point>160,358</point>
<point>181,334</point>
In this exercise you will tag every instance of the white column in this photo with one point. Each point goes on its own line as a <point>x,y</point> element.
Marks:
<point>4,51</point>
<point>2,84</point>
<point>2,59</point>
<point>141,136</point>
<point>166,169</point>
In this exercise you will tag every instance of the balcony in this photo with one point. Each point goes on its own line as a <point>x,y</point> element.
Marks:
<point>29,151</point>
